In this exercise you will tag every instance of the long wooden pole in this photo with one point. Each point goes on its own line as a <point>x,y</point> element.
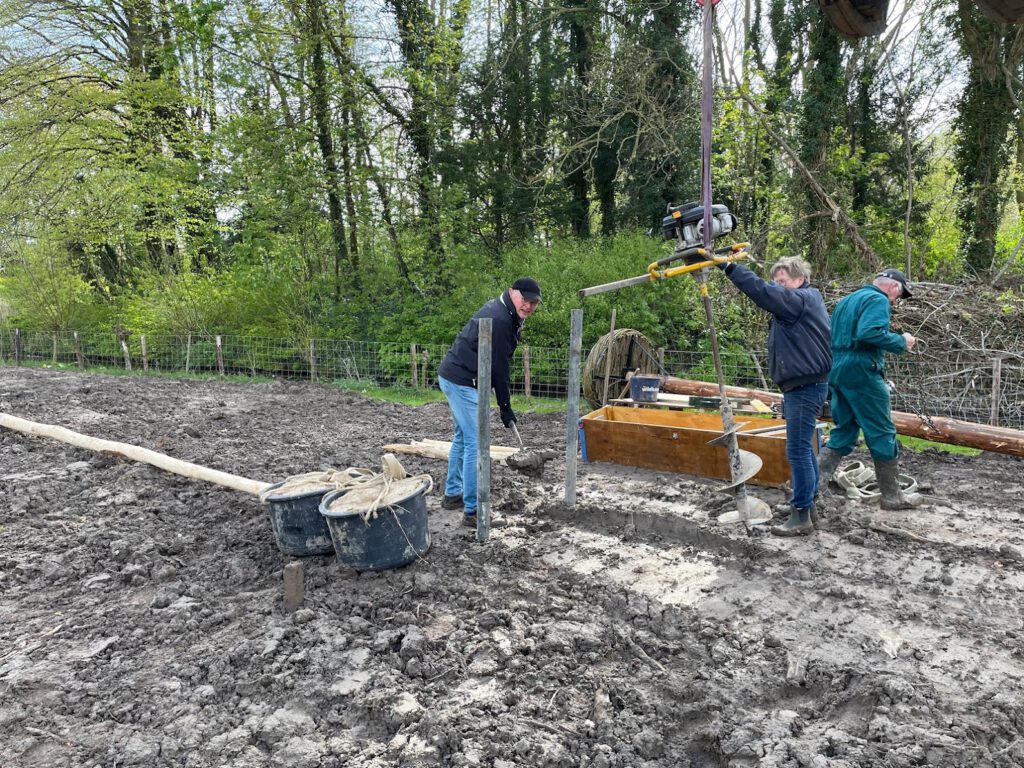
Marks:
<point>135,453</point>
<point>938,429</point>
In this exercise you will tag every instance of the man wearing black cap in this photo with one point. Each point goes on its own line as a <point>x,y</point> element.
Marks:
<point>457,377</point>
<point>860,394</point>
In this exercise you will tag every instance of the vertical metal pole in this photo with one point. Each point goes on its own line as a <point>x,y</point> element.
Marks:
<point>483,431</point>
<point>572,412</point>
<point>608,359</point>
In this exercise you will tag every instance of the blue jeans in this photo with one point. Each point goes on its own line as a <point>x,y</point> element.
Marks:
<point>461,480</point>
<point>801,407</point>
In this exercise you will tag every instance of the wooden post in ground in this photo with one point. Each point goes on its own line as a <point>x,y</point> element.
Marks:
<point>145,355</point>
<point>608,360</point>
<point>53,355</point>
<point>312,359</point>
<point>79,357</point>
<point>220,356</point>
<point>527,383</point>
<point>127,355</point>
<point>188,352</point>
<point>17,346</point>
<point>294,586</point>
<point>572,411</point>
<point>414,366</point>
<point>424,371</point>
<point>483,430</point>
<point>997,376</point>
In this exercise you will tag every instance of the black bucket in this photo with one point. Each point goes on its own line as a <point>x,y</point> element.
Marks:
<point>394,537</point>
<point>298,526</point>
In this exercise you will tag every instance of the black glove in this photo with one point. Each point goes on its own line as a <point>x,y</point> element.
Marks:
<point>726,266</point>
<point>508,416</point>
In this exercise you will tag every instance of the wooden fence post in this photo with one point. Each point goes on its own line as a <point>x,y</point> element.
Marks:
<point>220,357</point>
<point>312,359</point>
<point>17,346</point>
<point>188,352</point>
<point>145,355</point>
<point>997,386</point>
<point>527,383</point>
<point>79,357</point>
<point>53,356</point>
<point>424,374</point>
<point>414,366</point>
<point>127,356</point>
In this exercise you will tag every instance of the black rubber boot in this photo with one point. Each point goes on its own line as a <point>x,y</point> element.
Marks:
<point>828,462</point>
<point>798,524</point>
<point>887,473</point>
<point>451,502</point>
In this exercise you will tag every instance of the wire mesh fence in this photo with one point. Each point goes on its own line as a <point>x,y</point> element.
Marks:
<point>985,390</point>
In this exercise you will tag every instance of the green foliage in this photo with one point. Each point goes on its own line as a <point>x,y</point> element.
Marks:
<point>43,291</point>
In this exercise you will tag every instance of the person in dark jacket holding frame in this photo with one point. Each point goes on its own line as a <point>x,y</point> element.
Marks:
<point>799,360</point>
<point>457,376</point>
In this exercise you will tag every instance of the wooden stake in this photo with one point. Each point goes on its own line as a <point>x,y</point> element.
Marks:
<point>527,386</point>
<point>17,346</point>
<point>127,356</point>
<point>997,375</point>
<point>294,586</point>
<point>145,355</point>
<point>220,357</point>
<point>414,365</point>
<point>312,359</point>
<point>608,359</point>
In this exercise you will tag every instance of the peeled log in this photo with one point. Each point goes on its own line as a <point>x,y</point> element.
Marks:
<point>936,428</point>
<point>134,452</point>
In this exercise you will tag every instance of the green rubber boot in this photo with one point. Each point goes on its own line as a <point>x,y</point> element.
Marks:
<point>798,524</point>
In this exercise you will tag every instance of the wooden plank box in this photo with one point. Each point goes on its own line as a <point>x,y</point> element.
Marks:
<point>677,441</point>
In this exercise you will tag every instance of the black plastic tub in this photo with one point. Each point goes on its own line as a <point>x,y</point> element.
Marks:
<point>298,526</point>
<point>394,536</point>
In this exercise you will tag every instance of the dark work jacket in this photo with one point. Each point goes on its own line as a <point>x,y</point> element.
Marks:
<point>459,365</point>
<point>799,335</point>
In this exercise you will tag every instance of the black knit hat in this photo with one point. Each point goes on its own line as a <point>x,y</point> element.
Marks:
<point>528,287</point>
<point>899,277</point>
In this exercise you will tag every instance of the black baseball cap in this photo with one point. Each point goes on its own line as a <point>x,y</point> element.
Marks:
<point>899,277</point>
<point>528,287</point>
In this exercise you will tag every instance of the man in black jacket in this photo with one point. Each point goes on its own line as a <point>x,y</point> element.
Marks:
<point>457,377</point>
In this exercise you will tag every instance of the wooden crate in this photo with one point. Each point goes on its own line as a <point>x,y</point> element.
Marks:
<point>677,441</point>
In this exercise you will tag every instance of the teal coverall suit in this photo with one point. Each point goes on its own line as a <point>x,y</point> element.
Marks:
<point>860,395</point>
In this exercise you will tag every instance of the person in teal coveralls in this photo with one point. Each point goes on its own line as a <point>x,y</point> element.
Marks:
<point>860,393</point>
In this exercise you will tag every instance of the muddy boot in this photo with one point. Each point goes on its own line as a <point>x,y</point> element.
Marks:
<point>798,524</point>
<point>887,475</point>
<point>828,462</point>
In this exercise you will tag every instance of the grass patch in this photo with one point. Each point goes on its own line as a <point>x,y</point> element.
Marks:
<point>918,444</point>
<point>422,395</point>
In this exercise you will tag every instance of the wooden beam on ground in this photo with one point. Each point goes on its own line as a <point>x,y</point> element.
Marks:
<point>438,449</point>
<point>135,453</point>
<point>938,429</point>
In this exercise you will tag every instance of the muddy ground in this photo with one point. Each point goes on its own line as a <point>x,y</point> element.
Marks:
<point>142,624</point>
